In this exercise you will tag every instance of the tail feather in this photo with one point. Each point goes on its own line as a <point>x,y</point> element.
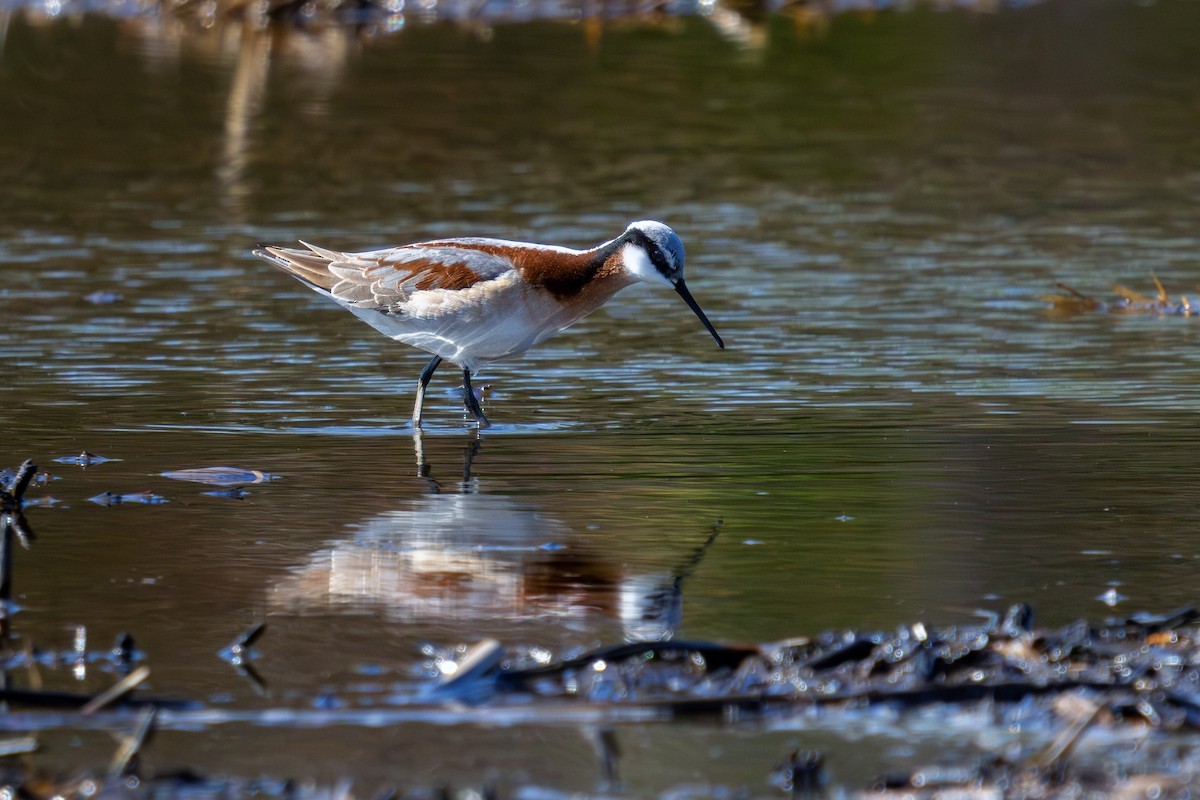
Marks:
<point>310,266</point>
<point>328,255</point>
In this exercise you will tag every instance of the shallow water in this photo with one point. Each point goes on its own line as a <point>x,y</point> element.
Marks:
<point>898,428</point>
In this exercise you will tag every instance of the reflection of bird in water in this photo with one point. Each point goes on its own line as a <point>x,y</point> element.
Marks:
<point>652,605</point>
<point>462,554</point>
<point>445,556</point>
<point>473,301</point>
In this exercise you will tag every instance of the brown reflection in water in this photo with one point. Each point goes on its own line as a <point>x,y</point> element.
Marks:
<point>458,554</point>
<point>317,57</point>
<point>241,111</point>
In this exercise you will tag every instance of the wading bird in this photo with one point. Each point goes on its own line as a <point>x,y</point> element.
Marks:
<point>473,301</point>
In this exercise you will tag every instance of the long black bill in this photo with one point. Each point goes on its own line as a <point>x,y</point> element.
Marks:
<point>694,306</point>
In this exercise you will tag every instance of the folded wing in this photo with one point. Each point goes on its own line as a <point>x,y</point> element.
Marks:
<point>387,279</point>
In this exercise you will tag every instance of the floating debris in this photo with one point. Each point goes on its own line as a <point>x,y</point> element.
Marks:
<point>42,502</point>
<point>141,498</point>
<point>221,476</point>
<point>117,660</point>
<point>84,459</point>
<point>1128,302</point>
<point>1145,667</point>
<point>1046,772</point>
<point>1140,672</point>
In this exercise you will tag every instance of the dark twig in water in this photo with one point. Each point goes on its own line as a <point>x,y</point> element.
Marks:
<point>1018,621</point>
<point>608,749</point>
<point>802,773</point>
<point>238,654</point>
<point>477,666</point>
<point>252,676</point>
<point>21,529</point>
<point>123,651</point>
<point>1152,623</point>
<point>125,760</point>
<point>12,520</point>
<point>240,647</point>
<point>116,691</point>
<point>25,475</point>
<point>74,700</point>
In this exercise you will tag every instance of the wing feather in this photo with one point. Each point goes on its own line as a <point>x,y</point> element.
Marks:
<point>387,279</point>
<point>353,293</point>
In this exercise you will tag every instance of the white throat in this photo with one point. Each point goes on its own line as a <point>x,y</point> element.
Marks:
<point>637,263</point>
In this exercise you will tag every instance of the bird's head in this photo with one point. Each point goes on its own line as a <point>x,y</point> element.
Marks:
<point>652,252</point>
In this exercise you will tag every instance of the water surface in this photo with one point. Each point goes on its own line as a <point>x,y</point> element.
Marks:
<point>897,430</point>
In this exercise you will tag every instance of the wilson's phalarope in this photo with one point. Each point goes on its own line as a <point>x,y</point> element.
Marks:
<point>473,301</point>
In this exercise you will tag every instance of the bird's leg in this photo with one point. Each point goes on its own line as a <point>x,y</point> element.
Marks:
<point>472,402</point>
<point>422,382</point>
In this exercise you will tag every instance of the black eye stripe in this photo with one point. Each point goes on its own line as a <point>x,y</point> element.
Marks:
<point>657,257</point>
<point>659,260</point>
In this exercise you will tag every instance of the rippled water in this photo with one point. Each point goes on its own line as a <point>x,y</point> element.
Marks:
<point>898,428</point>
